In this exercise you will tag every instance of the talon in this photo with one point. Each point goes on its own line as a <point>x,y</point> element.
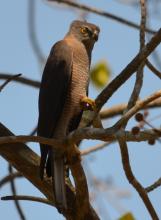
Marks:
<point>87,104</point>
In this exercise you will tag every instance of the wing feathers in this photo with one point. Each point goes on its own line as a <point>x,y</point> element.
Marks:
<point>53,91</point>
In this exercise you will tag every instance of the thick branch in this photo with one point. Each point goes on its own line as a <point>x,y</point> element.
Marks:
<point>128,71</point>
<point>81,187</point>
<point>84,133</point>
<point>107,134</point>
<point>27,162</point>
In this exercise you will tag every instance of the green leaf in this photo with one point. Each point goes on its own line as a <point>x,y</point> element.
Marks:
<point>127,216</point>
<point>100,74</point>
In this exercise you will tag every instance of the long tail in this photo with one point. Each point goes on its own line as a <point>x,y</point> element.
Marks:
<point>58,175</point>
<point>44,152</point>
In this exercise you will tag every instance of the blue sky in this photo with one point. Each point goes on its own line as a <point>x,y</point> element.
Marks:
<point>118,44</point>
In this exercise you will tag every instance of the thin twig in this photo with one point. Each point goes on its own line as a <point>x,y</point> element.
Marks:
<point>27,198</point>
<point>33,132</point>
<point>101,13</point>
<point>13,189</point>
<point>120,108</point>
<point>139,73</point>
<point>21,79</point>
<point>131,178</point>
<point>32,33</point>
<point>9,80</point>
<point>153,68</point>
<point>153,186</point>
<point>94,148</point>
<point>139,105</point>
<point>9,177</point>
<point>128,71</point>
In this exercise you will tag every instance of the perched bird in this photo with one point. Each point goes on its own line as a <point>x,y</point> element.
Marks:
<point>64,83</point>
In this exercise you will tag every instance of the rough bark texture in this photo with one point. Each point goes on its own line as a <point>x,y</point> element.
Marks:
<point>27,162</point>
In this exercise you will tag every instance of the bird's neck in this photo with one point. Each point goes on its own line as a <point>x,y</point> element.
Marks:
<point>71,40</point>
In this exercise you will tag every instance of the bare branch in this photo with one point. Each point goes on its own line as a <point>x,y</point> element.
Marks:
<point>81,187</point>
<point>94,148</point>
<point>9,80</point>
<point>107,134</point>
<point>27,162</point>
<point>25,138</point>
<point>13,189</point>
<point>84,133</point>
<point>101,13</point>
<point>139,105</point>
<point>139,73</point>
<point>153,68</point>
<point>131,178</point>
<point>32,33</point>
<point>21,79</point>
<point>120,108</point>
<point>33,132</point>
<point>128,71</point>
<point>27,198</point>
<point>154,185</point>
<point>9,177</point>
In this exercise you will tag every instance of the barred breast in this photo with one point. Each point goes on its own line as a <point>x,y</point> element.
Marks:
<point>77,88</point>
<point>80,75</point>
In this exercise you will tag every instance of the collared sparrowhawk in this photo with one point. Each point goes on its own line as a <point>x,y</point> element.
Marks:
<point>64,83</point>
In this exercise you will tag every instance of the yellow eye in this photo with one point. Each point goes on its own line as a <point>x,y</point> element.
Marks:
<point>84,30</point>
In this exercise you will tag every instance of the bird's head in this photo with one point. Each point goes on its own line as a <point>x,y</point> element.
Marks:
<point>85,32</point>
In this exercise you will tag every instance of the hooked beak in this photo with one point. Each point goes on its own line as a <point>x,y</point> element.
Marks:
<point>95,35</point>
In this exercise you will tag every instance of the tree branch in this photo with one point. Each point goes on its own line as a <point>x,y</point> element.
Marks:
<point>94,148</point>
<point>131,178</point>
<point>154,185</point>
<point>120,108</point>
<point>27,198</point>
<point>101,13</point>
<point>32,33</point>
<point>153,69</point>
<point>107,134</point>
<point>13,189</point>
<point>23,80</point>
<point>139,74</point>
<point>27,162</point>
<point>139,105</point>
<point>9,177</point>
<point>128,71</point>
<point>9,80</point>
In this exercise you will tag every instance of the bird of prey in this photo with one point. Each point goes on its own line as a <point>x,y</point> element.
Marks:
<point>64,83</point>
